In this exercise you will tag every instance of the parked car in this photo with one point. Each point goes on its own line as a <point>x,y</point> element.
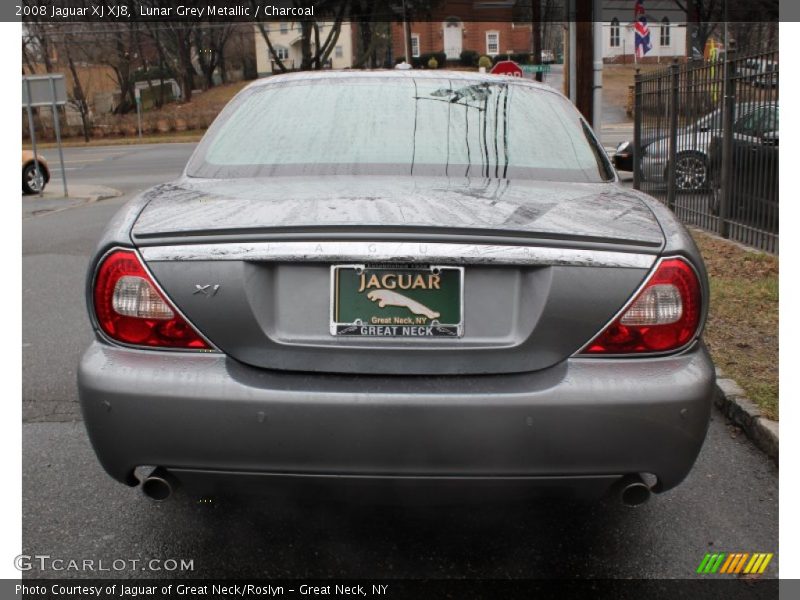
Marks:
<point>548,57</point>
<point>753,178</point>
<point>691,169</point>
<point>33,182</point>
<point>369,278</point>
<point>759,72</point>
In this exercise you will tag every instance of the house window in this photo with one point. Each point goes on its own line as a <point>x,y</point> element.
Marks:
<point>613,39</point>
<point>665,32</point>
<point>284,27</point>
<point>338,52</point>
<point>414,44</point>
<point>281,52</point>
<point>492,43</point>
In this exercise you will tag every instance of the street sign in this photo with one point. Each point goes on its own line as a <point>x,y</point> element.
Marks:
<point>507,67</point>
<point>532,69</point>
<point>43,90</point>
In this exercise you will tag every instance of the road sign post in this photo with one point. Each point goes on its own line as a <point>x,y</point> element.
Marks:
<point>32,128</point>
<point>45,90</point>
<point>138,94</point>
<point>57,127</point>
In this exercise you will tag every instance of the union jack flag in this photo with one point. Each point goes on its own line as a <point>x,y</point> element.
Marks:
<point>643,45</point>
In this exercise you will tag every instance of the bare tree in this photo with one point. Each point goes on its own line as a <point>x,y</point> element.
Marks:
<point>702,17</point>
<point>117,46</point>
<point>69,40</point>
<point>313,50</point>
<point>37,47</point>
<point>174,42</point>
<point>371,33</point>
<point>210,42</point>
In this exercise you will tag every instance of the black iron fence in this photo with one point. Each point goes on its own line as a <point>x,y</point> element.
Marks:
<point>706,144</point>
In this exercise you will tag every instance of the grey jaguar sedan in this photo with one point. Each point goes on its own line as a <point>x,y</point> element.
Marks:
<point>403,279</point>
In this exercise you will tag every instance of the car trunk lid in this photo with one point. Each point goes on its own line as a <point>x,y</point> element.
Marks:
<point>249,262</point>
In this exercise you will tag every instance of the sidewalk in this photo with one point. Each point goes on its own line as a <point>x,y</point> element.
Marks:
<point>54,199</point>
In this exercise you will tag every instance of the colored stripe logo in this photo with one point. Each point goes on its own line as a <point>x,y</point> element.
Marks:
<point>735,563</point>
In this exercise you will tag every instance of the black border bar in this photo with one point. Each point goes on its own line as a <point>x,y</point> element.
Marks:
<point>59,11</point>
<point>711,588</point>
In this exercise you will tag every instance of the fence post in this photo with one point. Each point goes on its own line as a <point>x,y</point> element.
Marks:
<point>673,133</point>
<point>728,108</point>
<point>637,130</point>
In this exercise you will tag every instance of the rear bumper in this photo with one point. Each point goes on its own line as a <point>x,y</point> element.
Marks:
<point>207,416</point>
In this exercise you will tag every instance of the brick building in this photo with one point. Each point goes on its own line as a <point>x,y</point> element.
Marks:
<point>457,25</point>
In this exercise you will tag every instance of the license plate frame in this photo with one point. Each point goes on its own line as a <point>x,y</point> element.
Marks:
<point>410,314</point>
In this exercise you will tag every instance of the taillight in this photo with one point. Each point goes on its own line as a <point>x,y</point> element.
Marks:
<point>664,315</point>
<point>130,308</point>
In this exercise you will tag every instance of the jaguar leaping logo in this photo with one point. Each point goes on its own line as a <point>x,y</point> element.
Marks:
<point>386,298</point>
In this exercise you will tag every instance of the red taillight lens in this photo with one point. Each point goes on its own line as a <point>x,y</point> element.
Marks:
<point>130,309</point>
<point>664,315</point>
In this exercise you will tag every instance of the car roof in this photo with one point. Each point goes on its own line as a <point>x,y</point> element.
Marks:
<point>421,74</point>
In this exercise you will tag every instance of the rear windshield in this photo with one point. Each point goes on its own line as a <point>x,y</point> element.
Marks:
<point>404,126</point>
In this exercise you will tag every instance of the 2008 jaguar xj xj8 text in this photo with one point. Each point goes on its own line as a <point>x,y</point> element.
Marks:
<point>412,278</point>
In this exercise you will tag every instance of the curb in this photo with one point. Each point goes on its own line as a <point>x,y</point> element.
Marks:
<point>735,405</point>
<point>36,207</point>
<point>105,194</point>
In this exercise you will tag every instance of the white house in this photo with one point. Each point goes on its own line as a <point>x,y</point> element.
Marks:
<point>667,24</point>
<point>285,37</point>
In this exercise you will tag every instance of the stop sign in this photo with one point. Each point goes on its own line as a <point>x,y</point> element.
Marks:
<point>507,67</point>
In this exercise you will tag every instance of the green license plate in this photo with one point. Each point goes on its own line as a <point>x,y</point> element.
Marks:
<point>378,301</point>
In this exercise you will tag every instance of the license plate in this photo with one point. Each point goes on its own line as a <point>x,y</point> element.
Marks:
<point>414,302</point>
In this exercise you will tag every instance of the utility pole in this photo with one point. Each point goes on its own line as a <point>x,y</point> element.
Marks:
<point>569,54</point>
<point>583,60</point>
<point>536,34</point>
<point>406,34</point>
<point>597,65</point>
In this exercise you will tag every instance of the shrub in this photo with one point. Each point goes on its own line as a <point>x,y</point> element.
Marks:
<point>485,62</point>
<point>421,61</point>
<point>520,58</point>
<point>469,58</point>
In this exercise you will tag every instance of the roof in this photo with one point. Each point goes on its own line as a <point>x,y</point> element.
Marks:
<point>465,76</point>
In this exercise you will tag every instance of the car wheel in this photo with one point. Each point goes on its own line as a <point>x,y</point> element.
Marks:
<point>31,183</point>
<point>691,172</point>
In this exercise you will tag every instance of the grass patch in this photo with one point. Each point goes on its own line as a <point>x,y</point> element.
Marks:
<point>742,328</point>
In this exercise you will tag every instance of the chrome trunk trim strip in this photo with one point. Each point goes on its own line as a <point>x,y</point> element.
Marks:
<point>402,252</point>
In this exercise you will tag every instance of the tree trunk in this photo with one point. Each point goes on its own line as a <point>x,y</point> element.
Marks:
<point>305,46</point>
<point>691,28</point>
<point>185,59</point>
<point>80,98</point>
<point>407,33</point>
<point>223,70</point>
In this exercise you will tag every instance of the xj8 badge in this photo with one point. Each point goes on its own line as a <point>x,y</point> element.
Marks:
<point>404,302</point>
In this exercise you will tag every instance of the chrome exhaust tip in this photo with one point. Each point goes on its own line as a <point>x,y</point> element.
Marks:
<point>159,485</point>
<point>633,491</point>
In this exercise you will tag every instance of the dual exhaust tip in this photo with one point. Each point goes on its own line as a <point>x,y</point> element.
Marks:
<point>632,490</point>
<point>160,484</point>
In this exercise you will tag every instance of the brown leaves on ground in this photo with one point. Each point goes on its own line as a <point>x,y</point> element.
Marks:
<point>742,327</point>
